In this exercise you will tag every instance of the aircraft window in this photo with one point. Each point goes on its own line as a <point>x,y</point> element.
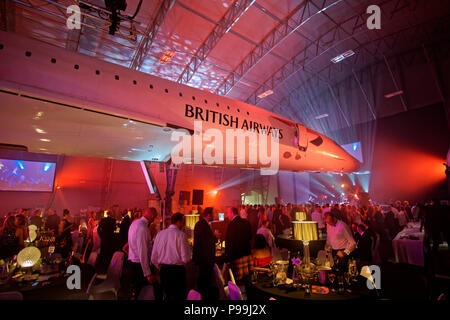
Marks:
<point>217,104</point>
<point>317,141</point>
<point>116,77</point>
<point>238,110</point>
<point>1,46</point>
<point>228,107</point>
<point>167,91</point>
<point>206,101</point>
<point>193,98</point>
<point>76,66</point>
<point>248,113</point>
<point>97,72</point>
<point>180,94</point>
<point>53,60</point>
<point>151,86</point>
<point>28,54</point>
<point>134,82</point>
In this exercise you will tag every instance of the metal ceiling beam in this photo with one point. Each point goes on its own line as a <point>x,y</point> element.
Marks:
<point>338,105</point>
<point>394,82</point>
<point>369,105</point>
<point>301,60</point>
<point>289,25</point>
<point>435,73</point>
<point>237,9</point>
<point>149,35</point>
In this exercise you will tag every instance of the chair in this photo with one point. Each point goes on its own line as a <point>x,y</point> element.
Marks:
<point>223,295</point>
<point>235,292</point>
<point>194,295</point>
<point>11,295</point>
<point>112,281</point>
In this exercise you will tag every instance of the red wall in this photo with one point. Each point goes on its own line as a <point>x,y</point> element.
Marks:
<point>410,148</point>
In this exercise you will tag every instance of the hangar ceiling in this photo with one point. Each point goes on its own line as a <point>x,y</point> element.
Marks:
<point>243,48</point>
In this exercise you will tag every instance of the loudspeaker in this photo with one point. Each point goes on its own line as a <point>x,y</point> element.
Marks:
<point>197,197</point>
<point>184,198</point>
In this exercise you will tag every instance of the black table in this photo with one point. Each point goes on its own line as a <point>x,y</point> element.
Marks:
<point>53,288</point>
<point>264,290</point>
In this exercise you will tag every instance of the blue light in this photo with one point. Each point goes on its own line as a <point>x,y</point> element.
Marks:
<point>47,167</point>
<point>20,164</point>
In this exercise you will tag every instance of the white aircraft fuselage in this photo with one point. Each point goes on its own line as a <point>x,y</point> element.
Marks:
<point>35,76</point>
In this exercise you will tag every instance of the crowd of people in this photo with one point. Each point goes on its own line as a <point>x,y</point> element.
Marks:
<point>157,253</point>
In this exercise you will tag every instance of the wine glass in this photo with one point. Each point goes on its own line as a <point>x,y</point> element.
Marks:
<point>354,272</point>
<point>332,277</point>
<point>348,280</point>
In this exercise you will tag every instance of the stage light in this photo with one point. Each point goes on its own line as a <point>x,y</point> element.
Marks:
<point>214,192</point>
<point>45,140</point>
<point>47,166</point>
<point>342,185</point>
<point>40,131</point>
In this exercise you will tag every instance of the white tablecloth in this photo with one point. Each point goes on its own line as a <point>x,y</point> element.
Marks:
<point>409,250</point>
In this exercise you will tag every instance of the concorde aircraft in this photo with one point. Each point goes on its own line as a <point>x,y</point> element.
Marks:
<point>56,101</point>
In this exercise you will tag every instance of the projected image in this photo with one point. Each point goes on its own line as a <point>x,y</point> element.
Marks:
<point>354,149</point>
<point>19,175</point>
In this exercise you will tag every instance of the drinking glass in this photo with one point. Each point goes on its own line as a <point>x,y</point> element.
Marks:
<point>348,281</point>
<point>332,277</point>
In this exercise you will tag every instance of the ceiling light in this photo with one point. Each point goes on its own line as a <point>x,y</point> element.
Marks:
<point>40,131</point>
<point>322,116</point>
<point>167,56</point>
<point>393,94</point>
<point>265,94</point>
<point>343,56</point>
<point>45,140</point>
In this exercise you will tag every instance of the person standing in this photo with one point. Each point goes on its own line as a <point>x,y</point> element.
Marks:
<point>65,235</point>
<point>124,227</point>
<point>237,245</point>
<point>339,236</point>
<point>139,251</point>
<point>204,253</point>
<point>171,252</point>
<point>265,231</point>
<point>36,219</point>
<point>52,221</point>
<point>108,245</point>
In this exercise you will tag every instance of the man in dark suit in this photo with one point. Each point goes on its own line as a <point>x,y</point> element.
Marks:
<point>105,230</point>
<point>364,245</point>
<point>237,244</point>
<point>204,253</point>
<point>252,217</point>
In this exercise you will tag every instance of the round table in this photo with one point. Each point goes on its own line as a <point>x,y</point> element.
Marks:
<point>264,290</point>
<point>40,289</point>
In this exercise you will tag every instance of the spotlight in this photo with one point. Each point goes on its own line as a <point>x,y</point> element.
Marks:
<point>214,192</point>
<point>342,185</point>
